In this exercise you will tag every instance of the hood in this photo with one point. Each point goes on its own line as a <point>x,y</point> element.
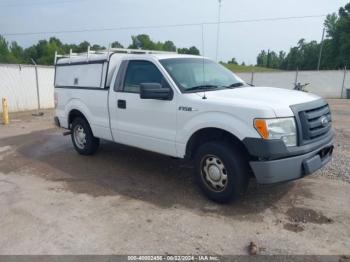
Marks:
<point>278,99</point>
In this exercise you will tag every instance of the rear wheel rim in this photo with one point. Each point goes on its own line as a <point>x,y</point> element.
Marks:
<point>214,173</point>
<point>79,136</point>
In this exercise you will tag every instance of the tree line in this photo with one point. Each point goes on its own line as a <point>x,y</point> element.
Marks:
<point>305,55</point>
<point>44,51</point>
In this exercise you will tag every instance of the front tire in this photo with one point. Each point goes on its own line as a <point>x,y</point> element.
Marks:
<point>222,172</point>
<point>83,140</point>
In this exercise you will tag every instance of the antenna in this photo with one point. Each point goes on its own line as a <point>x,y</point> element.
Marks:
<point>138,43</point>
<point>218,31</point>
<point>88,53</point>
<point>204,96</point>
<point>70,54</point>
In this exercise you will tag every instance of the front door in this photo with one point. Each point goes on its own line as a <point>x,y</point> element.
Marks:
<point>145,123</point>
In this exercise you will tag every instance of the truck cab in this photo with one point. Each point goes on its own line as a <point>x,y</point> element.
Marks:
<point>191,107</point>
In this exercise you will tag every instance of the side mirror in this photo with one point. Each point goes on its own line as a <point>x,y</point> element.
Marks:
<point>155,91</point>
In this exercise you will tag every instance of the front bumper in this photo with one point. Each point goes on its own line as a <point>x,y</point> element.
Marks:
<point>291,168</point>
<point>272,162</point>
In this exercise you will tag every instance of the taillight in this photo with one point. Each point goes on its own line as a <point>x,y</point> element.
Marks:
<point>55,99</point>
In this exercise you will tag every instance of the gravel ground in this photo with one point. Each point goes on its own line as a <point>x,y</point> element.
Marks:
<point>339,168</point>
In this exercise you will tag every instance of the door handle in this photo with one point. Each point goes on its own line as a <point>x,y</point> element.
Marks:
<point>121,104</point>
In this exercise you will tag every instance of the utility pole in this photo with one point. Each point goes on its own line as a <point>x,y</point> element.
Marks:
<point>296,77</point>
<point>321,49</point>
<point>37,89</point>
<point>218,31</point>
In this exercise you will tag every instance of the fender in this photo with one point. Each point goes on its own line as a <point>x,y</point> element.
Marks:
<point>77,104</point>
<point>220,120</point>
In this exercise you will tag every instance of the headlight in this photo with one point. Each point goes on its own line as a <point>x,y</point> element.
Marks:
<point>277,128</point>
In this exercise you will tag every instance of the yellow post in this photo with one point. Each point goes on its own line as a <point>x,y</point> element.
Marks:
<point>5,112</point>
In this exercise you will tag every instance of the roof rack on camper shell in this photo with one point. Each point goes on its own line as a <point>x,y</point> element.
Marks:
<point>106,52</point>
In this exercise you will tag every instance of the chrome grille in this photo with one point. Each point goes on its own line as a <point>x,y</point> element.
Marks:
<point>315,122</point>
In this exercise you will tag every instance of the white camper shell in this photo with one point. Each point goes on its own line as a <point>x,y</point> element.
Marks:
<point>93,69</point>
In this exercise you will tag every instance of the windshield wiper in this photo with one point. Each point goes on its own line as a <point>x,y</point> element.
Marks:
<point>202,87</point>
<point>238,84</point>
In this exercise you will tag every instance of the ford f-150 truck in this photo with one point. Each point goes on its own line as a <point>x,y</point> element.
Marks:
<point>191,107</point>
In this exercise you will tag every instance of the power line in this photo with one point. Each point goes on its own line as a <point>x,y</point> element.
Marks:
<point>40,3</point>
<point>272,19</point>
<point>162,26</point>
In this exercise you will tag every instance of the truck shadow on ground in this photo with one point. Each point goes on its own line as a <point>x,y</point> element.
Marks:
<point>129,172</point>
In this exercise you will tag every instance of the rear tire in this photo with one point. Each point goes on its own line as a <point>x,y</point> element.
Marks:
<point>83,140</point>
<point>222,171</point>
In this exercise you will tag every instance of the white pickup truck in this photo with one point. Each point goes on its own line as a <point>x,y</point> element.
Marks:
<point>191,107</point>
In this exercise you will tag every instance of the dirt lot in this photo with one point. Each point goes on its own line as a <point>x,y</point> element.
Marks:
<point>128,201</point>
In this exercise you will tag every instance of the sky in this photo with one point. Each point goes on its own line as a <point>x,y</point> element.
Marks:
<point>240,40</point>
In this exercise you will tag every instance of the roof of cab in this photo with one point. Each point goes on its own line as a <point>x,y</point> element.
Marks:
<point>169,56</point>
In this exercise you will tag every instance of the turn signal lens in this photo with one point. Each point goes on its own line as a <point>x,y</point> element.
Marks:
<point>261,126</point>
<point>283,128</point>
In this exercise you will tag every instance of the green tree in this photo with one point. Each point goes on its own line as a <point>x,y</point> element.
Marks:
<point>82,47</point>
<point>145,42</point>
<point>6,55</point>
<point>342,36</point>
<point>17,52</point>
<point>142,42</point>
<point>331,24</point>
<point>261,60</point>
<point>116,44</point>
<point>270,59</point>
<point>233,61</point>
<point>169,46</point>
<point>96,47</point>
<point>43,52</point>
<point>190,51</point>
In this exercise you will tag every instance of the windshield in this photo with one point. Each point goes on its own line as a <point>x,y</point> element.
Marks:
<point>196,74</point>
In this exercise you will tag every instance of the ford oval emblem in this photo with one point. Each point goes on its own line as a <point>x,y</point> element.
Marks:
<point>324,121</point>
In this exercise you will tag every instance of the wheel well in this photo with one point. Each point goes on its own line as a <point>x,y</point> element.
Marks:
<point>74,114</point>
<point>212,134</point>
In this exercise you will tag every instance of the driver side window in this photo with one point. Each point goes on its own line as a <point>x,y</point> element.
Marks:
<point>139,72</point>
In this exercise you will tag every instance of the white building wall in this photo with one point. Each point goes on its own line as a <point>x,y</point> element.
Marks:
<point>46,86</point>
<point>18,86</point>
<point>328,84</point>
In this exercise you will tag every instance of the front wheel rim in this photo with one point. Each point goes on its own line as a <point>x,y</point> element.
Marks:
<point>79,136</point>
<point>214,173</point>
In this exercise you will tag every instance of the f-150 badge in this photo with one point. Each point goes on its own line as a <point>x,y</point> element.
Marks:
<point>187,108</point>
